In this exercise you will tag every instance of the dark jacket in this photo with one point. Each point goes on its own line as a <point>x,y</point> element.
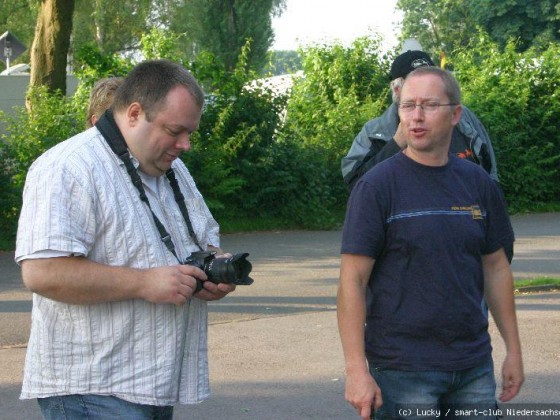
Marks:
<point>375,143</point>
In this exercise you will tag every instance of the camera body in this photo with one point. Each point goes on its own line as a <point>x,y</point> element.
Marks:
<point>231,270</point>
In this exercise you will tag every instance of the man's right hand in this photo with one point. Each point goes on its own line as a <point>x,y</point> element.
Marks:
<point>400,136</point>
<point>363,393</point>
<point>172,284</point>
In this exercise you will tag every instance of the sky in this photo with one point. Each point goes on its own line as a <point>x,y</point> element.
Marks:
<point>311,21</point>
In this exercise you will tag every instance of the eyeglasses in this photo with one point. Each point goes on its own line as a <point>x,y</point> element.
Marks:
<point>426,106</point>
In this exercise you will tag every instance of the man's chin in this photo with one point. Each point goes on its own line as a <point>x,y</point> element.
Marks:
<point>163,167</point>
<point>156,170</point>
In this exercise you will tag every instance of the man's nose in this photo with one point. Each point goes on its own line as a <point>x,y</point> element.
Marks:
<point>418,112</point>
<point>184,142</point>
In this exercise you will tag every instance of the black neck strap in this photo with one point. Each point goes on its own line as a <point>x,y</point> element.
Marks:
<point>110,131</point>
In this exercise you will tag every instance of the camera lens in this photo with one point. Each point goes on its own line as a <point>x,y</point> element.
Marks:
<point>234,270</point>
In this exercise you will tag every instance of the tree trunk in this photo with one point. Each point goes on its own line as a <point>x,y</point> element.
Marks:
<point>50,45</point>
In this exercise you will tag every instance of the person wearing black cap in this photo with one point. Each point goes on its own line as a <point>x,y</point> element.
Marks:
<point>380,137</point>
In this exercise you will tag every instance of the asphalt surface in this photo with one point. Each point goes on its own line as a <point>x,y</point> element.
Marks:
<point>274,345</point>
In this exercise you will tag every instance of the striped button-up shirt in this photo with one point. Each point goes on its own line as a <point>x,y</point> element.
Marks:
<point>79,200</point>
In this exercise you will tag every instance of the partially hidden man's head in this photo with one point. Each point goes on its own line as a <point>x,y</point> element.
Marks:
<point>101,98</point>
<point>403,65</point>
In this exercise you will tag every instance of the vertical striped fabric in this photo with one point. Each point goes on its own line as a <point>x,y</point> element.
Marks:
<point>78,199</point>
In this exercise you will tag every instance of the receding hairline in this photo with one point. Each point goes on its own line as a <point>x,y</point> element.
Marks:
<point>450,84</point>
<point>150,82</point>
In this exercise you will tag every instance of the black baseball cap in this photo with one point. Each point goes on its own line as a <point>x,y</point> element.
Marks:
<point>408,61</point>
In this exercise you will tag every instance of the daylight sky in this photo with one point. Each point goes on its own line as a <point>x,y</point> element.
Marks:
<point>310,21</point>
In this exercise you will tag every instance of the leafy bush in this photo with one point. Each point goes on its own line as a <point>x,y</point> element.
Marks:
<point>10,196</point>
<point>341,89</point>
<point>26,136</point>
<point>517,97</point>
<point>264,155</point>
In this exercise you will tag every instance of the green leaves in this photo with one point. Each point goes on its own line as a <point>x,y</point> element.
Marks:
<point>264,155</point>
<point>516,96</point>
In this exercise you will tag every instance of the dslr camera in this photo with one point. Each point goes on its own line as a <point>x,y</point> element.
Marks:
<point>233,270</point>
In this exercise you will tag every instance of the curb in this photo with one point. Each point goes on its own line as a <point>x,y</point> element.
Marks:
<point>539,288</point>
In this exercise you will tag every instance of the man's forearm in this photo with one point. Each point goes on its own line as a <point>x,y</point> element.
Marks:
<point>351,321</point>
<point>351,309</point>
<point>498,285</point>
<point>80,281</point>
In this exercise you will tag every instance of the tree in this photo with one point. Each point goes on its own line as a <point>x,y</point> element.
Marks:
<point>115,26</point>
<point>222,27</point>
<point>51,44</point>
<point>19,17</point>
<point>445,25</point>
<point>439,25</point>
<point>282,62</point>
<point>530,23</point>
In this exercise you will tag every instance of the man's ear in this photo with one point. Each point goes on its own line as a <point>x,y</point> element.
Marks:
<point>133,113</point>
<point>457,114</point>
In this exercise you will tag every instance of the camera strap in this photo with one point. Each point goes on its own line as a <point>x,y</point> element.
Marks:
<point>111,133</point>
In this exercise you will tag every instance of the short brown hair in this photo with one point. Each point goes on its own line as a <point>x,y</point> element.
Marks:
<point>451,86</point>
<point>149,83</point>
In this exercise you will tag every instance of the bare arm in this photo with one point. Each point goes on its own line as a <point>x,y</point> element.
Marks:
<point>361,389</point>
<point>78,280</point>
<point>400,136</point>
<point>498,286</point>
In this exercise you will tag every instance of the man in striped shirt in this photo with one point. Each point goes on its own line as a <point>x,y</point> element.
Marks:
<point>119,326</point>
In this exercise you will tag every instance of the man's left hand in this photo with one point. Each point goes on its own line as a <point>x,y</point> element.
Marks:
<point>212,291</point>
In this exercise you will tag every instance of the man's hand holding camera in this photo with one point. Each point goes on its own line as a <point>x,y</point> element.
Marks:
<point>171,284</point>
<point>177,283</point>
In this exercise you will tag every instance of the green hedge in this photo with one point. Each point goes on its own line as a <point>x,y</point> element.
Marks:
<point>517,97</point>
<point>269,160</point>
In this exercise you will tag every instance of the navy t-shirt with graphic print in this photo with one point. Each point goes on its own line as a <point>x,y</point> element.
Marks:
<point>427,229</point>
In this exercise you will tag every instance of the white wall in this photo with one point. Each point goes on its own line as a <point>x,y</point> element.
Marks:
<point>13,89</point>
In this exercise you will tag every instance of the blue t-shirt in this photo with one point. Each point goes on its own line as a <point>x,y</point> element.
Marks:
<point>427,229</point>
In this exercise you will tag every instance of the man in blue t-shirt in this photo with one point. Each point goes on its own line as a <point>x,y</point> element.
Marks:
<point>424,236</point>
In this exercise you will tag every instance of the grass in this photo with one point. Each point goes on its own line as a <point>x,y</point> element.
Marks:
<point>538,281</point>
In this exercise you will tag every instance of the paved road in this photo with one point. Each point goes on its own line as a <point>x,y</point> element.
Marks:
<point>274,347</point>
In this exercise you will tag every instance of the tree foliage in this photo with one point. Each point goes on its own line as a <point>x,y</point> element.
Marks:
<point>27,134</point>
<point>222,27</point>
<point>517,97</point>
<point>342,87</point>
<point>283,62</point>
<point>530,23</point>
<point>253,161</point>
<point>115,26</point>
<point>19,18</point>
<point>444,25</point>
<point>439,25</point>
